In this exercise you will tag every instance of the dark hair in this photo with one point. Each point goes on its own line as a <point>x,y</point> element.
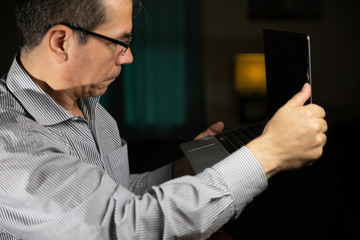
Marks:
<point>35,17</point>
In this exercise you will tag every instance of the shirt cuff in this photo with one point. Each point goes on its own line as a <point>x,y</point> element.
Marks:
<point>160,175</point>
<point>244,175</point>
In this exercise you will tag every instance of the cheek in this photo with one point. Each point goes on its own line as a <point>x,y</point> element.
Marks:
<point>110,70</point>
<point>104,73</point>
<point>97,67</point>
<point>101,70</point>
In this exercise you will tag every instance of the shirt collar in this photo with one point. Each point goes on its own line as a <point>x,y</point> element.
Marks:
<point>36,102</point>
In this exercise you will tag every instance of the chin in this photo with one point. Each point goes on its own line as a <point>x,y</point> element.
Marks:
<point>102,91</point>
<point>98,91</point>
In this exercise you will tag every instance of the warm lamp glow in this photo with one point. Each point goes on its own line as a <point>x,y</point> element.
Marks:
<point>250,73</point>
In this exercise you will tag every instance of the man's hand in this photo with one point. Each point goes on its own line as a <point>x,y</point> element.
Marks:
<point>182,166</point>
<point>294,137</point>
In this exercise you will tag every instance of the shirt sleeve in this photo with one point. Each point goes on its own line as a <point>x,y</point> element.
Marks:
<point>244,176</point>
<point>141,183</point>
<point>47,194</point>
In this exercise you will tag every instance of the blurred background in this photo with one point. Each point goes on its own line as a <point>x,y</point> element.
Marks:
<point>183,79</point>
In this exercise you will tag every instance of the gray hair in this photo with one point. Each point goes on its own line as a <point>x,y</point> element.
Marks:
<point>35,17</point>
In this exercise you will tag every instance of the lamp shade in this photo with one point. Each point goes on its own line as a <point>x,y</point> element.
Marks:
<point>250,73</point>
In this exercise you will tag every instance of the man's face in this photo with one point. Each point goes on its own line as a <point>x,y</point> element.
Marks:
<point>99,61</point>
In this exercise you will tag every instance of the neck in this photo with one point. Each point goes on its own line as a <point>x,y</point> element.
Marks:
<point>51,83</point>
<point>65,98</point>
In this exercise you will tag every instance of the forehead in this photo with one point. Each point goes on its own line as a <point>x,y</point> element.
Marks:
<point>119,14</point>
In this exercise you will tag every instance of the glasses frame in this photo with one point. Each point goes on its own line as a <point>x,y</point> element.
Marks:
<point>112,40</point>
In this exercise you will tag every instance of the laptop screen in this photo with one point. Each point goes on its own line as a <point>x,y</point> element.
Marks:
<point>288,66</point>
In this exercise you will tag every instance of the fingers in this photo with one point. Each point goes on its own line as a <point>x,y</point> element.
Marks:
<point>214,129</point>
<point>301,97</point>
<point>316,151</point>
<point>321,125</point>
<point>315,111</point>
<point>294,137</point>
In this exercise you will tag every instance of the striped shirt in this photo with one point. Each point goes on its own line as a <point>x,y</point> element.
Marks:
<point>67,177</point>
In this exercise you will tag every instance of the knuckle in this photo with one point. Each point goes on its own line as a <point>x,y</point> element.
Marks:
<point>318,141</point>
<point>308,113</point>
<point>319,152</point>
<point>316,127</point>
<point>326,127</point>
<point>316,153</point>
<point>322,111</point>
<point>318,149</point>
<point>324,139</point>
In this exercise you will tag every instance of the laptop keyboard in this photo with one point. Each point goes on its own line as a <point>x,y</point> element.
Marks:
<point>236,138</point>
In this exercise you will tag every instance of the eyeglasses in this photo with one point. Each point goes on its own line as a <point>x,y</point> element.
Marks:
<point>125,45</point>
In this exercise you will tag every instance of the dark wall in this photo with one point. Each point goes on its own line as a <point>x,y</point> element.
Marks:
<point>335,53</point>
<point>9,38</point>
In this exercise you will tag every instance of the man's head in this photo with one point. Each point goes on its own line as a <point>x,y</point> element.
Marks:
<point>64,47</point>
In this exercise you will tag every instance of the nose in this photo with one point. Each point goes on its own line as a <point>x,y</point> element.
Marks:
<point>125,59</point>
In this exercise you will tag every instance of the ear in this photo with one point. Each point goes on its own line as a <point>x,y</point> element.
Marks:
<point>60,38</point>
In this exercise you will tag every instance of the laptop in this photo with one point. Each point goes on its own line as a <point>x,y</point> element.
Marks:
<point>288,67</point>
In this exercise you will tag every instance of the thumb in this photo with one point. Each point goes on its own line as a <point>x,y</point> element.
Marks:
<point>301,97</point>
<point>214,129</point>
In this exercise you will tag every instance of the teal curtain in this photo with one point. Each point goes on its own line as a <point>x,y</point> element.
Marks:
<point>162,89</point>
<point>155,84</point>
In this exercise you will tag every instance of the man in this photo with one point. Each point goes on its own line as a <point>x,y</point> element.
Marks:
<point>64,167</point>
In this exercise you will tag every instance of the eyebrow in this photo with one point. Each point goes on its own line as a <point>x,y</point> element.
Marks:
<point>127,36</point>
